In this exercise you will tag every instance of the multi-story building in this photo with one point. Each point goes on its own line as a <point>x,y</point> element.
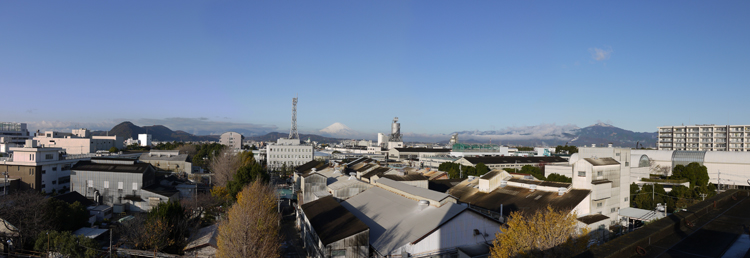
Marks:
<point>125,184</point>
<point>704,137</point>
<point>170,160</point>
<point>12,135</point>
<point>79,141</point>
<point>39,168</point>
<point>144,139</point>
<point>232,139</point>
<point>289,152</point>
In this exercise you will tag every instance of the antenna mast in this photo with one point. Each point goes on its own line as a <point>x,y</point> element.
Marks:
<point>293,132</point>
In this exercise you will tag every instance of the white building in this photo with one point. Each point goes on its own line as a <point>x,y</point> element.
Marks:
<point>12,135</point>
<point>144,139</point>
<point>704,138</point>
<point>79,141</point>
<point>39,168</point>
<point>289,152</point>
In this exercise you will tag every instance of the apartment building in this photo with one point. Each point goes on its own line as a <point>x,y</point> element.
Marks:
<point>704,137</point>
<point>232,139</point>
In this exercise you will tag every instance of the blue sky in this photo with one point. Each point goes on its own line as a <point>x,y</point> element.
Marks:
<point>440,66</point>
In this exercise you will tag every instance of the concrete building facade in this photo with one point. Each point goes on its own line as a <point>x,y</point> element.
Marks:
<point>704,138</point>
<point>232,140</point>
<point>144,139</point>
<point>13,135</point>
<point>289,153</point>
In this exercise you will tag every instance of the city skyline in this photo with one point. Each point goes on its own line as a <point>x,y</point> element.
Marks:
<point>440,67</point>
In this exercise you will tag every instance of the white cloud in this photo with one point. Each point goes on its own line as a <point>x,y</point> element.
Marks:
<point>599,54</point>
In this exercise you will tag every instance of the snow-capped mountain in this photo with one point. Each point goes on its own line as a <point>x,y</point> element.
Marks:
<point>340,130</point>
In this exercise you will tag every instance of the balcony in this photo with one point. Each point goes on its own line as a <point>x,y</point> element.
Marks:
<point>735,129</point>
<point>736,135</point>
<point>665,140</point>
<point>665,136</point>
<point>720,135</point>
<point>680,135</point>
<point>665,130</point>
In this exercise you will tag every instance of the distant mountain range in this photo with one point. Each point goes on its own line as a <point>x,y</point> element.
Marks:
<point>540,135</point>
<point>158,133</point>
<point>552,135</point>
<point>162,133</point>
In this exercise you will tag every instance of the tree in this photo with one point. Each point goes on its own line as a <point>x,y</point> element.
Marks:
<point>649,196</point>
<point>251,227</point>
<point>224,166</point>
<point>534,171</point>
<point>559,178</point>
<point>633,191</point>
<point>113,150</point>
<point>65,217</point>
<point>542,233</point>
<point>21,210</point>
<point>67,244</point>
<point>244,176</point>
<point>188,149</point>
<point>482,169</point>
<point>164,228</point>
<point>566,149</point>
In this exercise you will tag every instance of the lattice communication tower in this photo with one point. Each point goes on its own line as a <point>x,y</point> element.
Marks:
<point>293,132</point>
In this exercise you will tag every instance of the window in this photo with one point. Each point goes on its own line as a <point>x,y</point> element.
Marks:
<point>54,168</point>
<point>626,199</point>
<point>106,184</point>
<point>617,154</point>
<point>613,210</point>
<point>627,163</point>
<point>599,173</point>
<point>48,156</point>
<point>338,253</point>
<point>135,186</point>
<point>582,173</point>
<point>90,183</point>
<point>599,204</point>
<point>54,182</point>
<point>119,185</point>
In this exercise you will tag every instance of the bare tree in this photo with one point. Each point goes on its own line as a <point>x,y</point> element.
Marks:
<point>251,228</point>
<point>188,149</point>
<point>23,213</point>
<point>224,166</point>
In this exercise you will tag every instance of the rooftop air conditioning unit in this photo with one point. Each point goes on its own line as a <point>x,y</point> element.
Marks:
<point>532,187</point>
<point>503,183</point>
<point>561,191</point>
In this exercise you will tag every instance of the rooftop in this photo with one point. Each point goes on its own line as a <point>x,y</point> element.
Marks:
<point>409,177</point>
<point>395,221</point>
<point>591,219</point>
<point>513,159</point>
<point>421,150</point>
<point>516,198</point>
<point>138,168</point>
<point>602,161</point>
<point>413,190</point>
<point>331,221</point>
<point>539,182</point>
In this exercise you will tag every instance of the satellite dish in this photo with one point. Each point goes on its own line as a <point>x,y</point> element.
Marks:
<point>748,181</point>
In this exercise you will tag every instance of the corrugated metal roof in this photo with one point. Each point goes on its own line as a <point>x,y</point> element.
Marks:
<point>395,221</point>
<point>413,190</point>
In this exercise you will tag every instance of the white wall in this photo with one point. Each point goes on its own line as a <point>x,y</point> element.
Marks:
<point>459,231</point>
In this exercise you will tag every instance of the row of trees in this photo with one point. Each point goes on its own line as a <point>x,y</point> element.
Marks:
<point>455,170</point>
<point>566,149</point>
<point>681,196</point>
<point>28,215</point>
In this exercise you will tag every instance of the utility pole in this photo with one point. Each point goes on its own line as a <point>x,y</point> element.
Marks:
<point>719,190</point>
<point>110,241</point>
